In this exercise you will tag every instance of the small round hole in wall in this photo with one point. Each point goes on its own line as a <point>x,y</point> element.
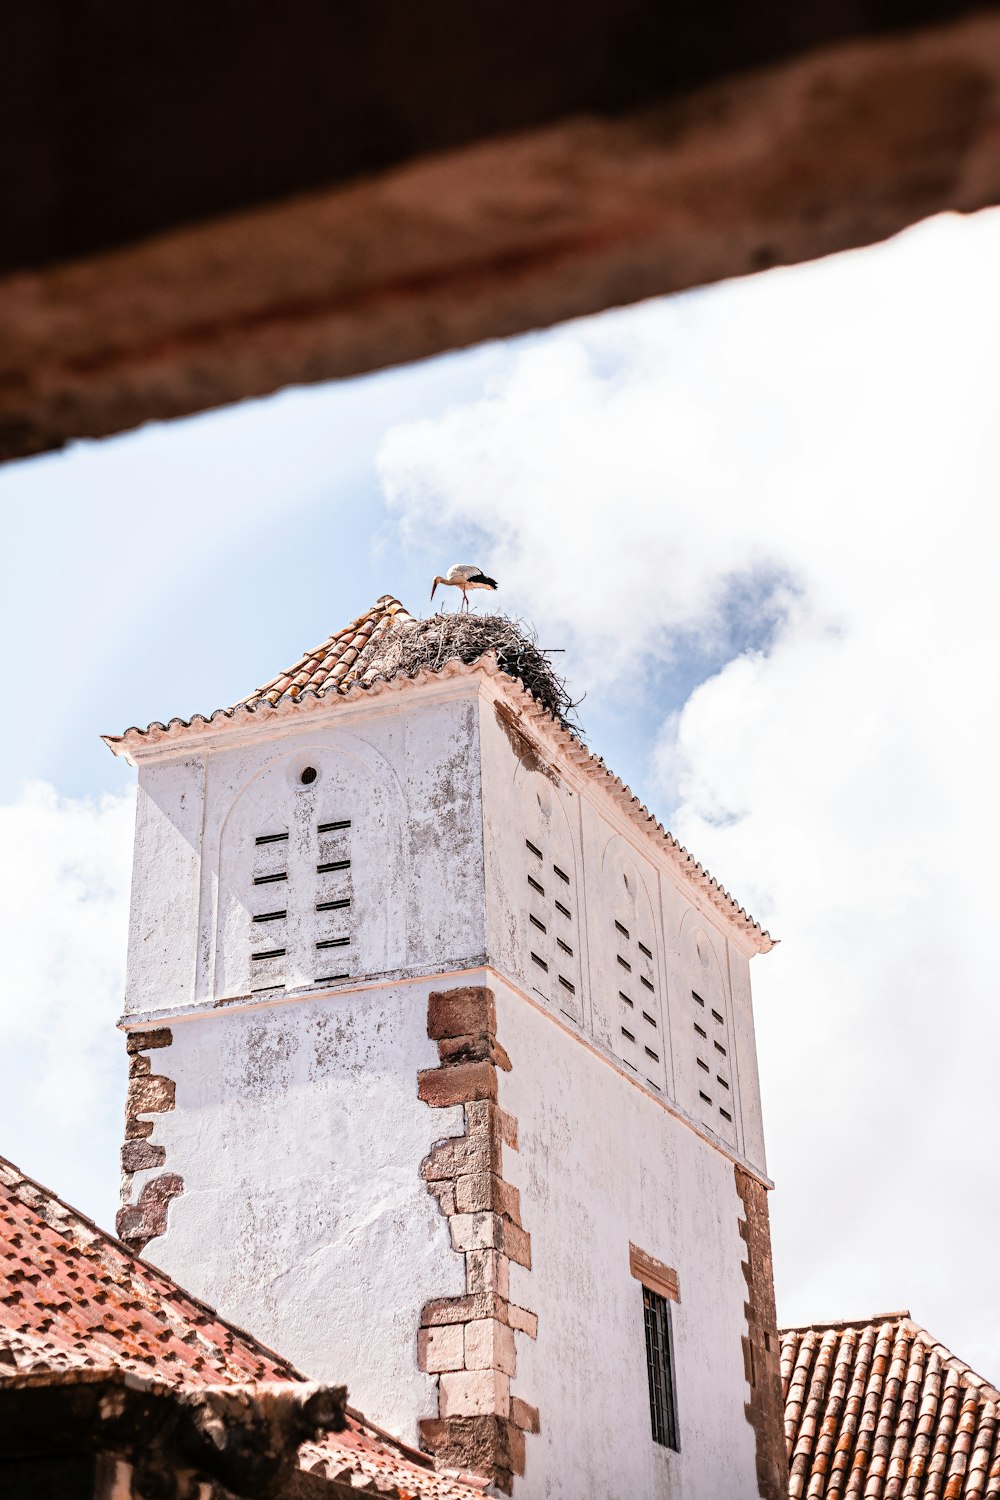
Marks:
<point>308,775</point>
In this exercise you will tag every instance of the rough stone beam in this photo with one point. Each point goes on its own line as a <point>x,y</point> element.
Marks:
<point>836,149</point>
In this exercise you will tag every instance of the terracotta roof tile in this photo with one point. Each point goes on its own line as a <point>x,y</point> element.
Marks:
<point>75,1302</point>
<point>336,658</point>
<point>879,1410</point>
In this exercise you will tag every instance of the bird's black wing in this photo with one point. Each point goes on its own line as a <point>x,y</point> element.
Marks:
<point>490,583</point>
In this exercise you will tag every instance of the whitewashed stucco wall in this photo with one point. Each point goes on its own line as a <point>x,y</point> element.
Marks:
<point>299,1135</point>
<point>297,1128</point>
<point>601,1164</point>
<point>621,893</point>
<point>406,774</point>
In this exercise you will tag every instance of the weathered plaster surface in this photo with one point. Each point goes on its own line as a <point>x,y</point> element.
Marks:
<point>600,1164</point>
<point>163,914</point>
<point>299,1135</point>
<point>642,944</point>
<point>407,781</point>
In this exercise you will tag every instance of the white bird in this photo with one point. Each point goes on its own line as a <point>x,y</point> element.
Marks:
<point>465,576</point>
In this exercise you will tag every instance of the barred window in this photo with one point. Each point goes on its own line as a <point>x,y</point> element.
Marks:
<point>660,1369</point>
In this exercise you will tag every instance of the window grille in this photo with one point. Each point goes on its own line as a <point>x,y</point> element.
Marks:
<point>660,1369</point>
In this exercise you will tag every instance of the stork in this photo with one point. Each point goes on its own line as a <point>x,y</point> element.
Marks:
<point>465,576</point>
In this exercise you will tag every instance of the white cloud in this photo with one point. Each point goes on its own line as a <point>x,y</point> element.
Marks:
<point>797,475</point>
<point>64,886</point>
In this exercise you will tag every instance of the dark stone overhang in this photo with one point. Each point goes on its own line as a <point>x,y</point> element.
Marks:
<point>203,203</point>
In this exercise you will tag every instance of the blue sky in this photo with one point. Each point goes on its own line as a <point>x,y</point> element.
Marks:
<point>173,569</point>
<point>761,519</point>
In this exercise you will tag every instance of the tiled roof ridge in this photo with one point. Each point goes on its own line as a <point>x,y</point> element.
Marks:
<point>72,1222</point>
<point>881,1408</point>
<point>905,1321</point>
<point>820,1325</point>
<point>353,683</point>
<point>326,668</point>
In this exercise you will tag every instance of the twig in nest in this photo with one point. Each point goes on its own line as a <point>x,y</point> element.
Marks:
<point>404,649</point>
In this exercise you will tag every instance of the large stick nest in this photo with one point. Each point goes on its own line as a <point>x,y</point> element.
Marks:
<point>406,648</point>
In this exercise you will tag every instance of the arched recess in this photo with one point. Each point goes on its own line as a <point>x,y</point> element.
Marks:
<point>704,1025</point>
<point>312,871</point>
<point>548,891</point>
<point>630,966</point>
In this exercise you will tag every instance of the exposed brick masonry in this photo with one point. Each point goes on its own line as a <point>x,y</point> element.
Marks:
<point>468,1341</point>
<point>761,1350</point>
<point>149,1093</point>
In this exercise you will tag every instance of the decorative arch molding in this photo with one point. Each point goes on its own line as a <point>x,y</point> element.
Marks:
<point>705,1022</point>
<point>307,851</point>
<point>631,961</point>
<point>549,882</point>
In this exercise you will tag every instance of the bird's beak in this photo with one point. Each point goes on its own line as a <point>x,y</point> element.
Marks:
<point>434,588</point>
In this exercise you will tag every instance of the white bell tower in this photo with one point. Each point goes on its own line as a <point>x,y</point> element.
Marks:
<point>443,1078</point>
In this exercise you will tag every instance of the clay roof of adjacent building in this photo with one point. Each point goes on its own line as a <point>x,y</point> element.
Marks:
<point>878,1408</point>
<point>339,665</point>
<point>77,1305</point>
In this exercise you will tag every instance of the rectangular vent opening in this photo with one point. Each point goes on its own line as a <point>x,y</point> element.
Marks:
<point>646,952</point>
<point>567,985</point>
<point>719,1079</point>
<point>535,885</point>
<point>535,922</point>
<point>268,953</point>
<point>270,916</point>
<point>653,1085</point>
<point>725,1114</point>
<point>270,879</point>
<point>334,827</point>
<point>564,910</point>
<point>337,905</point>
<point>647,982</point>
<point>331,865</point>
<point>561,873</point>
<point>719,1048</point>
<point>334,943</point>
<point>534,848</point>
<point>271,838</point>
<point>265,989</point>
<point>701,1031</point>
<point>622,996</point>
<point>621,929</point>
<point>697,998</point>
<point>650,1053</point>
<point>630,1065</point>
<point>704,1096</point>
<point>625,963</point>
<point>330,978</point>
<point>704,1066</point>
<point>540,962</point>
<point>647,1017</point>
<point>564,946</point>
<point>626,1032</point>
<point>717,1017</point>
